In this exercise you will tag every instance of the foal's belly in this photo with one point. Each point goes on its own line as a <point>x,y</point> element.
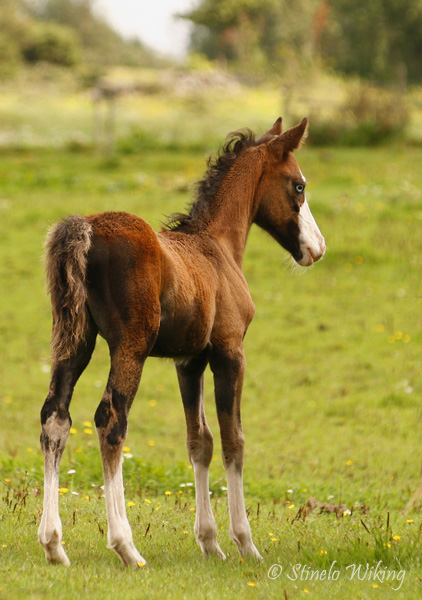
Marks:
<point>182,336</point>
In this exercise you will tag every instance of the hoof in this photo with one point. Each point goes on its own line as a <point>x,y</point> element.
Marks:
<point>215,550</point>
<point>250,551</point>
<point>129,555</point>
<point>55,555</point>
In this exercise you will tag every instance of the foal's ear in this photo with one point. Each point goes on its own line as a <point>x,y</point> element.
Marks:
<point>268,135</point>
<point>276,128</point>
<point>290,140</point>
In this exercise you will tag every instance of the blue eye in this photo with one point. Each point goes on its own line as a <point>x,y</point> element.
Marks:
<point>299,188</point>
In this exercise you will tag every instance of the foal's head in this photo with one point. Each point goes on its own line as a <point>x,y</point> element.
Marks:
<point>282,209</point>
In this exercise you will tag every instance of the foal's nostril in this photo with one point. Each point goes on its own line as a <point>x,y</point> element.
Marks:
<point>317,255</point>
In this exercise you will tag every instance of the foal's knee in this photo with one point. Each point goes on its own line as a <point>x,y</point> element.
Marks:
<point>201,447</point>
<point>56,424</point>
<point>111,419</point>
<point>233,450</point>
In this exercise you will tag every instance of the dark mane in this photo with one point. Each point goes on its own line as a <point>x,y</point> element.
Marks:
<point>207,188</point>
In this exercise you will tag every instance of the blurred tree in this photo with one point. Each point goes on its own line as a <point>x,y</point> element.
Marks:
<point>379,40</point>
<point>255,35</point>
<point>100,43</point>
<point>376,39</point>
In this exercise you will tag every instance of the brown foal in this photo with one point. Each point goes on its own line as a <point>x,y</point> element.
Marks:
<point>179,293</point>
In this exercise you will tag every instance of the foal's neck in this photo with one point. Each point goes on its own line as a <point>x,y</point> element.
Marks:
<point>235,203</point>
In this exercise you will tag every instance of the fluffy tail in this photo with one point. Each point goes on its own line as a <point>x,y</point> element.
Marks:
<point>67,247</point>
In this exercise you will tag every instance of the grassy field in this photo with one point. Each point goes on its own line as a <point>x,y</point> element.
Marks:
<point>331,405</point>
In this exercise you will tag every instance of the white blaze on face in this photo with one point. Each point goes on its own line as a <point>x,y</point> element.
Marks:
<point>312,243</point>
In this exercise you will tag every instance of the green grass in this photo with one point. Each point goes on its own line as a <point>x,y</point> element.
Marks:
<point>331,404</point>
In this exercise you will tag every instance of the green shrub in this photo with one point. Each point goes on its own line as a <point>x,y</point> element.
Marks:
<point>370,115</point>
<point>51,43</point>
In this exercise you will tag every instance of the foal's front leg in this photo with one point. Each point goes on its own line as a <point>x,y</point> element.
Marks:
<point>228,367</point>
<point>199,444</point>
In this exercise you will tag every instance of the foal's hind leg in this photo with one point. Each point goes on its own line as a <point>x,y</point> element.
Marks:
<point>228,367</point>
<point>56,423</point>
<point>111,421</point>
<point>200,448</point>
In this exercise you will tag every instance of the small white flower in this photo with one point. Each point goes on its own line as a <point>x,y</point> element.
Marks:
<point>71,471</point>
<point>290,491</point>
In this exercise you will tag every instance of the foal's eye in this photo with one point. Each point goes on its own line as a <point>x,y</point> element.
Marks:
<point>299,187</point>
